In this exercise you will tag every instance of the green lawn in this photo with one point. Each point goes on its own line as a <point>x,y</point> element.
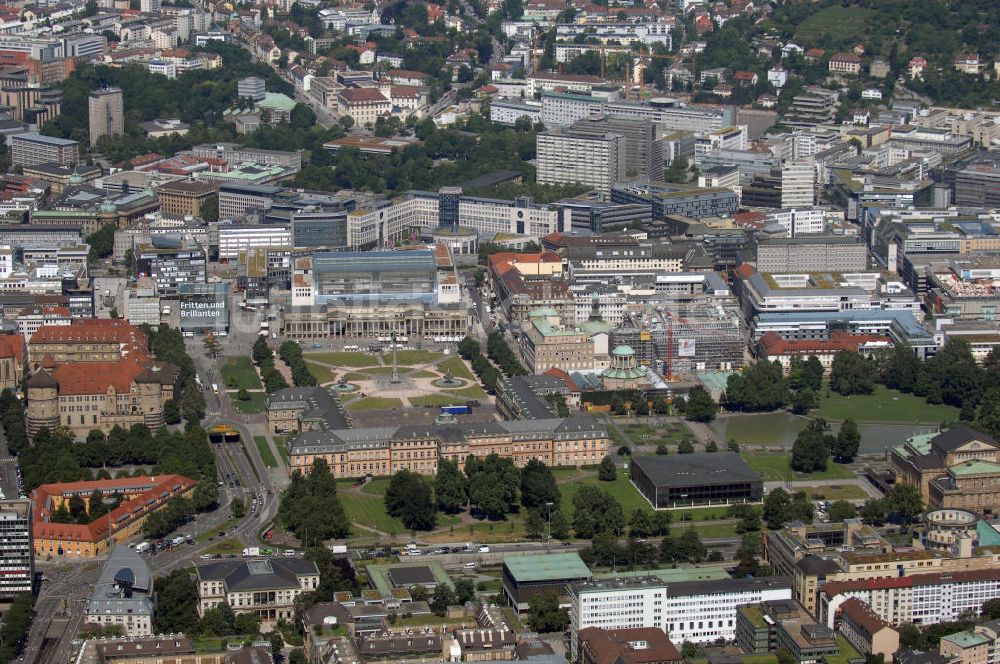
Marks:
<point>471,392</point>
<point>646,434</point>
<point>377,486</point>
<point>884,405</point>
<point>354,376</point>
<point>844,26</point>
<point>621,490</point>
<point>847,652</point>
<point>265,451</point>
<point>836,492</point>
<point>457,367</point>
<point>706,530</point>
<point>369,510</point>
<point>280,442</point>
<point>342,359</point>
<point>775,468</point>
<point>238,373</point>
<point>226,546</point>
<point>321,373</point>
<point>414,356</point>
<point>437,400</point>
<point>375,403</point>
<point>423,374</point>
<point>255,404</point>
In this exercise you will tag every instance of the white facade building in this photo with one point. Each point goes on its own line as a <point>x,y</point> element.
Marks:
<point>696,611</point>
<point>799,221</point>
<point>570,158</point>
<point>798,184</point>
<point>234,239</point>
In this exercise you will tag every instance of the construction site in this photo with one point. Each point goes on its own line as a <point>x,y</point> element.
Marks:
<point>682,340</point>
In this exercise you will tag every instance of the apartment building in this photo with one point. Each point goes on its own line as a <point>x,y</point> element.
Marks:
<point>643,149</point>
<point>186,197</point>
<point>869,634</point>
<point>798,185</point>
<point>567,157</point>
<point>365,105</point>
<point>549,344</point>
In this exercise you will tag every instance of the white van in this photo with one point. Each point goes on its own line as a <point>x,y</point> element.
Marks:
<point>470,565</point>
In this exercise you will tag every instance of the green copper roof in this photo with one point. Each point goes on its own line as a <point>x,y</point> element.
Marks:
<point>975,467</point>
<point>966,639</point>
<point>623,351</point>
<point>546,567</point>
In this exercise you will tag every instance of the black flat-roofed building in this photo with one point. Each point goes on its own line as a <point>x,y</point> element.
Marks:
<point>680,480</point>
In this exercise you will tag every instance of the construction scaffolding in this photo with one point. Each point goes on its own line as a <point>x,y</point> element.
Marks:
<point>682,340</point>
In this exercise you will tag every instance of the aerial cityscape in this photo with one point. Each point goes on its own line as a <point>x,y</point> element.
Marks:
<point>511,331</point>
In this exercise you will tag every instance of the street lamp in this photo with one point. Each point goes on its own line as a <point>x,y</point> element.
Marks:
<point>548,537</point>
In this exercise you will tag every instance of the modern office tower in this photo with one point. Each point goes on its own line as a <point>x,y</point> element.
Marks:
<point>107,113</point>
<point>448,202</point>
<point>16,553</point>
<point>567,157</point>
<point>798,184</point>
<point>643,150</point>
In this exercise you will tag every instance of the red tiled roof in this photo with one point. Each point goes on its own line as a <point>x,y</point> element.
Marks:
<point>409,91</point>
<point>96,377</point>
<point>609,646</point>
<point>834,588</point>
<point>839,340</point>
<point>744,76</point>
<point>564,377</point>
<point>361,95</point>
<point>92,330</point>
<point>862,615</point>
<point>12,345</point>
<point>406,73</point>
<point>150,491</point>
<point>845,57</point>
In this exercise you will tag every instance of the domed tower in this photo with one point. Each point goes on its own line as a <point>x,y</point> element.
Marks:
<point>43,402</point>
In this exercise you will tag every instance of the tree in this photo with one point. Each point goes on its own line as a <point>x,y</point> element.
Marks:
<point>711,446</point>
<point>102,243</point>
<point>991,609</point>
<point>607,471</point>
<point>538,485</point>
<point>699,406</point>
<point>219,620</point>
<point>209,210</point>
<point>758,387</point>
<point>851,373</point>
<point>777,508</point>
<point>171,412</point>
<point>247,623</point>
<point>847,443</point>
<point>277,643</point>
<point>212,345</point>
<point>874,511</point>
<point>409,498</point>
<point>243,395</point>
<point>677,171</point>
<point>176,603</point>
<point>841,509</point>
<point>750,521</point>
<point>310,507</point>
<point>685,447</point>
<point>558,525</point>
<point>662,449</point>
<point>494,485</point>
<point>811,448</point>
<point>465,591</point>
<point>544,614</point>
<point>905,501</point>
<point>640,524</point>
<point>450,487</point>
<point>442,598</point>
<point>690,546</point>
<point>534,525</point>
<point>596,512</point>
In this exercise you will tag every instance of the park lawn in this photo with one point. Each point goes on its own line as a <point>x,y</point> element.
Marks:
<point>700,514</point>
<point>210,534</point>
<point>776,468</point>
<point>377,486</point>
<point>847,652</point>
<point>457,367</point>
<point>255,404</point>
<point>835,492</point>
<point>353,376</point>
<point>644,434</point>
<point>470,392</point>
<point>226,546</point>
<point>843,26</point>
<point>375,403</point>
<point>343,359</point>
<point>436,400</point>
<point>281,442</point>
<point>369,511</point>
<point>423,374</point>
<point>238,373</point>
<point>485,532</point>
<point>323,374</point>
<point>265,451</point>
<point>618,437</point>
<point>884,405</point>
<point>415,356</point>
<point>621,490</point>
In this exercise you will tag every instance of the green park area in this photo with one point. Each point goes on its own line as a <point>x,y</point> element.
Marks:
<point>884,405</point>
<point>343,359</point>
<point>670,433</point>
<point>838,25</point>
<point>322,373</point>
<point>777,468</point>
<point>457,368</point>
<point>266,455</point>
<point>621,490</point>
<point>238,373</point>
<point>413,356</point>
<point>254,403</point>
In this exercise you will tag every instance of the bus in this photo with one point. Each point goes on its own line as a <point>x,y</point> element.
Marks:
<point>215,389</point>
<point>264,327</point>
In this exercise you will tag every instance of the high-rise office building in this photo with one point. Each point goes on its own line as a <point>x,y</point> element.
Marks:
<point>448,201</point>
<point>149,5</point>
<point>567,157</point>
<point>643,149</point>
<point>31,149</point>
<point>253,87</point>
<point>798,184</point>
<point>107,113</point>
<point>16,553</point>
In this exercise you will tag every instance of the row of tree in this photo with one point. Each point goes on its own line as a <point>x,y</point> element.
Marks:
<point>291,354</point>
<point>488,374</point>
<point>310,507</point>
<point>815,444</point>
<point>763,386</point>
<point>263,357</point>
